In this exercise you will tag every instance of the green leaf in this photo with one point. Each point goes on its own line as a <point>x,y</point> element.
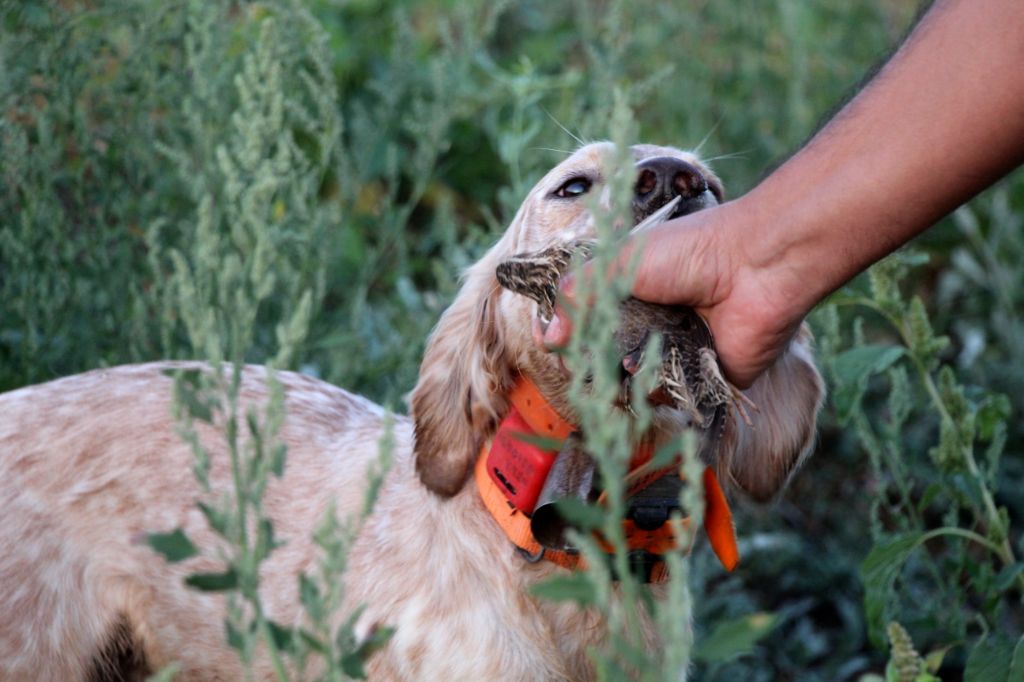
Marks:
<point>933,661</point>
<point>265,542</point>
<point>174,546</point>
<point>1016,673</point>
<point>878,572</point>
<point>573,587</point>
<point>309,596</point>
<point>191,377</point>
<point>542,442</point>
<point>853,367</point>
<point>992,411</point>
<point>892,674</point>
<point>277,459</point>
<point>352,665</point>
<point>667,454</point>
<point>928,496</point>
<point>861,362</point>
<point>352,662</point>
<point>991,660</point>
<point>217,519</point>
<point>235,638</point>
<point>252,421</point>
<point>1008,575</point>
<point>735,637</point>
<point>197,409</point>
<point>313,642</point>
<point>213,582</point>
<point>580,514</point>
<point>188,391</point>
<point>968,487</point>
<point>284,637</point>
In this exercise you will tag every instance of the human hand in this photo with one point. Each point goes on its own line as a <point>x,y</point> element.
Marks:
<point>944,121</point>
<point>701,261</point>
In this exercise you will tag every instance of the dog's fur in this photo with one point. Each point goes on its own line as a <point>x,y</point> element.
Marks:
<point>90,464</point>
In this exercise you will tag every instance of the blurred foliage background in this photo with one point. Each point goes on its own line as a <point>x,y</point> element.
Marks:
<point>404,136</point>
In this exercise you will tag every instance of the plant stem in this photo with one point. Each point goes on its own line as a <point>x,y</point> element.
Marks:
<point>990,513</point>
<point>1003,550</point>
<point>964,533</point>
<point>1006,552</point>
<point>268,637</point>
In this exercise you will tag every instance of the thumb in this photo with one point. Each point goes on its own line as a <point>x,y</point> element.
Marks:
<point>559,330</point>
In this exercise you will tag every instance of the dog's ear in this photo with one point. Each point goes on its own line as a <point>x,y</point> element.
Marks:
<point>761,457</point>
<point>460,395</point>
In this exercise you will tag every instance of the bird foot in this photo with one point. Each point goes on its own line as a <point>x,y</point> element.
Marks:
<point>741,402</point>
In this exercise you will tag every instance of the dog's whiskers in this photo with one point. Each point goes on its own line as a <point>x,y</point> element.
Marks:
<point>567,152</point>
<point>565,130</point>
<point>734,155</point>
<point>700,146</point>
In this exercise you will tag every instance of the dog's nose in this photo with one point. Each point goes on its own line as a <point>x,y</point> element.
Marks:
<point>662,179</point>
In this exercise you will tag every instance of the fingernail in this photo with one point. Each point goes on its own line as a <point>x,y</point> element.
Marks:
<point>537,329</point>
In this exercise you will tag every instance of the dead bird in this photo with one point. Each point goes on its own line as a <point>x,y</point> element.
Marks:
<point>689,377</point>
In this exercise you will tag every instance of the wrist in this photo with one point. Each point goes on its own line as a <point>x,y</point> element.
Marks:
<point>771,262</point>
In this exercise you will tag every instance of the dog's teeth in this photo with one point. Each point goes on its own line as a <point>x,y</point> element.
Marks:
<point>656,218</point>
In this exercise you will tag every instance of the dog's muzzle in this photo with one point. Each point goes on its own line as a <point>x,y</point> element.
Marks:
<point>662,179</point>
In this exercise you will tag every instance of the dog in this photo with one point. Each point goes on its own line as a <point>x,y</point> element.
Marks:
<point>90,464</point>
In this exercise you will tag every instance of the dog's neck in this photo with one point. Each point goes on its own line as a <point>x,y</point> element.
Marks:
<point>513,465</point>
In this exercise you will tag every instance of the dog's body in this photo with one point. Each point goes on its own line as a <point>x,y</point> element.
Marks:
<point>90,464</point>
<point>105,467</point>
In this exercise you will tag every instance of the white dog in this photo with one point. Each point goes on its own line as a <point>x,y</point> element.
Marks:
<point>90,464</point>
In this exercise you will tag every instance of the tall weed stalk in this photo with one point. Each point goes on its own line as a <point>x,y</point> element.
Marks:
<point>937,526</point>
<point>250,253</point>
<point>632,609</point>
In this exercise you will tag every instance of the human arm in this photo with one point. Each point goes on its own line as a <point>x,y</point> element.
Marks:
<point>940,122</point>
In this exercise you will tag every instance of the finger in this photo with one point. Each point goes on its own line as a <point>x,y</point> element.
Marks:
<point>558,332</point>
<point>537,329</point>
<point>678,262</point>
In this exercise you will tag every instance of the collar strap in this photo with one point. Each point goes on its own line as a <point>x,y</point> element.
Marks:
<point>509,492</point>
<point>537,412</point>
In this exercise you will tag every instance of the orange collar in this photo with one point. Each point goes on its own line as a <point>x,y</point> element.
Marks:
<point>533,416</point>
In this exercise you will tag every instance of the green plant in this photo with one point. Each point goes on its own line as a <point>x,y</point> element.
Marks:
<point>250,254</point>
<point>974,572</point>
<point>608,585</point>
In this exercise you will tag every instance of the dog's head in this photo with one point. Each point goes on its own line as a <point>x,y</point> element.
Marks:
<point>555,212</point>
<point>484,339</point>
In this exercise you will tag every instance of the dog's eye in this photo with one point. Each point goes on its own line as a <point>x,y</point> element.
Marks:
<point>575,187</point>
